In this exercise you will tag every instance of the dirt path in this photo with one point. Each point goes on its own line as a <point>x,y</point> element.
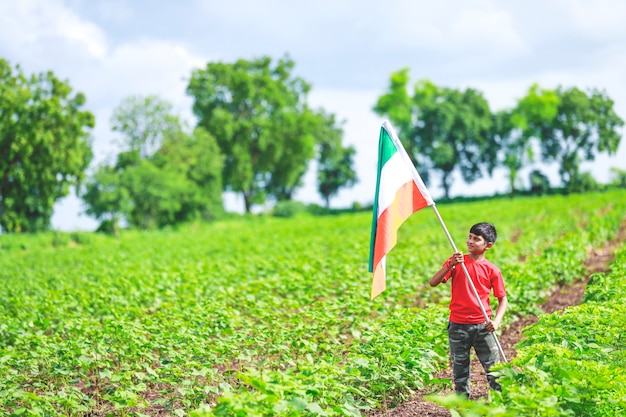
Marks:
<point>561,298</point>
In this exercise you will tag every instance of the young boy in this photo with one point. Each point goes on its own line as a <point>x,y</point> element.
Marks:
<point>467,326</point>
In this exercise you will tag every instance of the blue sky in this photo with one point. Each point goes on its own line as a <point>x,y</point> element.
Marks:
<point>346,50</point>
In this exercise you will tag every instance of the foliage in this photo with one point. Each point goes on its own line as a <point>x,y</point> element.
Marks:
<point>570,363</point>
<point>44,146</point>
<point>107,199</point>
<point>334,163</point>
<point>299,135</point>
<point>584,125</point>
<point>257,110</point>
<point>447,129</point>
<point>516,129</point>
<point>288,208</point>
<point>539,182</point>
<point>197,158</point>
<point>261,315</point>
<point>583,182</point>
<point>166,176</point>
<point>619,177</point>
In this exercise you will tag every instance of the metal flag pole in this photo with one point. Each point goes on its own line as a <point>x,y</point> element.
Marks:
<point>482,308</point>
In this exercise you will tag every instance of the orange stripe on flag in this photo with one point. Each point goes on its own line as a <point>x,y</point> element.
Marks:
<point>378,282</point>
<point>407,201</point>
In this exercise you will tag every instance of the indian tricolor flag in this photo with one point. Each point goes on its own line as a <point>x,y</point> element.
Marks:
<point>400,192</point>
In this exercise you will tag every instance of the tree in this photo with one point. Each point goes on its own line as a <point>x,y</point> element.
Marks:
<point>334,162</point>
<point>619,177</point>
<point>142,122</point>
<point>584,182</point>
<point>290,168</point>
<point>165,176</point>
<point>257,112</point>
<point>44,146</point>
<point>196,156</point>
<point>539,182</point>
<point>158,195</point>
<point>107,199</point>
<point>446,129</point>
<point>515,130</point>
<point>585,125</point>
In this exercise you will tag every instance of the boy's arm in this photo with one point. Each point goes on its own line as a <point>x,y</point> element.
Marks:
<point>492,325</point>
<point>454,260</point>
<point>439,275</point>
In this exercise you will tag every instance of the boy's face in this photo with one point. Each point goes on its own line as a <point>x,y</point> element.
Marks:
<point>477,244</point>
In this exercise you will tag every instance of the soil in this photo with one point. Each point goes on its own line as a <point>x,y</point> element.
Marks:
<point>562,297</point>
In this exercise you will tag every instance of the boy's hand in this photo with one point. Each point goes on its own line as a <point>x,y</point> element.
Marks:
<point>455,259</point>
<point>492,326</point>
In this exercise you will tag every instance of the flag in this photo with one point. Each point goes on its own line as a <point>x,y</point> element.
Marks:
<point>400,192</point>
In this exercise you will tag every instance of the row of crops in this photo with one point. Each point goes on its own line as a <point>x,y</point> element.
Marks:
<point>261,316</point>
<point>570,363</point>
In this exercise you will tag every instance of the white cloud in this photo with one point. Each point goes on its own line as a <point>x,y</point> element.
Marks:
<point>147,66</point>
<point>600,19</point>
<point>26,24</point>
<point>115,10</point>
<point>499,48</point>
<point>458,28</point>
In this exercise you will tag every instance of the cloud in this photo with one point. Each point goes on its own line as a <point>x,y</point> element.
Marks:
<point>470,28</point>
<point>600,19</point>
<point>115,10</point>
<point>29,27</point>
<point>110,49</point>
<point>145,67</point>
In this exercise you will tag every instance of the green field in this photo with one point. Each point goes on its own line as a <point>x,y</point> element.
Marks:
<point>261,315</point>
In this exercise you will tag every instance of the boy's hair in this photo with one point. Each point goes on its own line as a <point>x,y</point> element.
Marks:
<point>486,230</point>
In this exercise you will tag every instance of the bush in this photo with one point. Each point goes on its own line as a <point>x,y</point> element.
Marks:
<point>288,208</point>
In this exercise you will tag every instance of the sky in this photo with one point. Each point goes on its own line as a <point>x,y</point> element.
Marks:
<point>346,50</point>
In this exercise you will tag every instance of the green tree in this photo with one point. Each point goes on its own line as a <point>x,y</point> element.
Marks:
<point>197,157</point>
<point>142,122</point>
<point>446,129</point>
<point>334,162</point>
<point>584,182</point>
<point>257,111</point>
<point>157,195</point>
<point>619,177</point>
<point>517,130</point>
<point>107,199</point>
<point>165,176</point>
<point>539,182</point>
<point>44,146</point>
<point>290,168</point>
<point>585,125</point>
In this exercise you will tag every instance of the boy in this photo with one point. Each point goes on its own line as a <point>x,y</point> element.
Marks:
<point>467,326</point>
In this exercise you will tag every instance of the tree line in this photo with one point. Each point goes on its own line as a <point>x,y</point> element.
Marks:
<point>445,130</point>
<point>256,136</point>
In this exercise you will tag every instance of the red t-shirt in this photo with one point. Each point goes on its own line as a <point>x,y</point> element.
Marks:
<point>463,307</point>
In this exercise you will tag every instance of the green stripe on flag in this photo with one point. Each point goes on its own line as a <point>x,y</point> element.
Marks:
<point>386,149</point>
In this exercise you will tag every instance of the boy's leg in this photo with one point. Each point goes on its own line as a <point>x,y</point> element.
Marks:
<point>488,354</point>
<point>459,339</point>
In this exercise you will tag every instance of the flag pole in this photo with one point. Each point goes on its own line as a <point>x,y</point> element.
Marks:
<point>482,308</point>
<point>424,191</point>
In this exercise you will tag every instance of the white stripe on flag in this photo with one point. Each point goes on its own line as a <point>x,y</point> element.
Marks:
<point>394,175</point>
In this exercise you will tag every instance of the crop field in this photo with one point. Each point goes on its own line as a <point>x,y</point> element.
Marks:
<point>261,316</point>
